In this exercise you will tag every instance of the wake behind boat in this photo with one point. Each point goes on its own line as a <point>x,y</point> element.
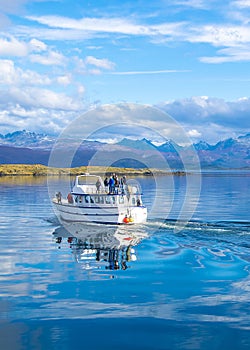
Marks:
<point>93,201</point>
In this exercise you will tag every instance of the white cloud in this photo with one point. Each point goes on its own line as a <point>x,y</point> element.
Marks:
<point>94,47</point>
<point>220,35</point>
<point>64,79</point>
<point>94,71</point>
<point>37,45</point>
<point>194,133</point>
<point>233,54</point>
<point>165,71</point>
<point>198,4</point>
<point>212,118</point>
<point>91,65</point>
<point>214,34</point>
<point>100,63</point>
<point>10,46</point>
<point>13,47</point>
<point>203,118</point>
<point>26,106</point>
<point>50,34</point>
<point>12,75</point>
<point>224,35</point>
<point>34,44</point>
<point>51,58</point>
<point>241,3</point>
<point>80,65</point>
<point>96,27</point>
<point>28,77</point>
<point>108,25</point>
<point>34,97</point>
<point>7,72</point>
<point>43,120</point>
<point>80,89</point>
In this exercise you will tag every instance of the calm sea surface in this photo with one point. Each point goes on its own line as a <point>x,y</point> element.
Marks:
<point>162,285</point>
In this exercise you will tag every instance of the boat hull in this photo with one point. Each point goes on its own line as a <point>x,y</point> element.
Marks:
<point>104,215</point>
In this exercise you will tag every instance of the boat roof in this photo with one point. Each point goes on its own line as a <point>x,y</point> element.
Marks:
<point>87,175</point>
<point>87,180</point>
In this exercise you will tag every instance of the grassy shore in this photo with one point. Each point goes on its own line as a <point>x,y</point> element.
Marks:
<point>42,170</point>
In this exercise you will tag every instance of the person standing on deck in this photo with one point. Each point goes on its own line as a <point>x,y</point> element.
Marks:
<point>116,184</point>
<point>98,185</point>
<point>106,184</point>
<point>111,185</point>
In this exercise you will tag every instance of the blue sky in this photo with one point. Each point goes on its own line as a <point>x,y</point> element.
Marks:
<point>189,58</point>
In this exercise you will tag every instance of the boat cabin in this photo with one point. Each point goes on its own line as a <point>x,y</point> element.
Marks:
<point>90,190</point>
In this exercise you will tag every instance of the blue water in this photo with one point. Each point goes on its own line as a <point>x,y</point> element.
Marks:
<point>153,288</point>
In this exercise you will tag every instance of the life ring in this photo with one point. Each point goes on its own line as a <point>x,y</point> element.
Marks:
<point>70,198</point>
<point>126,220</point>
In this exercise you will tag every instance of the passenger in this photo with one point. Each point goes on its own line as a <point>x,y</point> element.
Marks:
<point>59,197</point>
<point>116,184</point>
<point>111,185</point>
<point>106,184</point>
<point>124,180</point>
<point>98,186</point>
<point>123,184</point>
<point>70,198</point>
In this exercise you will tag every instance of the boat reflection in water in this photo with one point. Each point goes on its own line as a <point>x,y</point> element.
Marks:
<point>101,246</point>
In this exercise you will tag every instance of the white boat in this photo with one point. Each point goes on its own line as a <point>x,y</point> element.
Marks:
<point>91,201</point>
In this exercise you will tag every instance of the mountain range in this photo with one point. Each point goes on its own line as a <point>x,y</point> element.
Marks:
<point>31,148</point>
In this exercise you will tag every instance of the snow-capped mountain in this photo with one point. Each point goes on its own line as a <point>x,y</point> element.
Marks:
<point>29,147</point>
<point>27,139</point>
<point>202,146</point>
<point>244,139</point>
<point>170,146</point>
<point>229,153</point>
<point>142,145</point>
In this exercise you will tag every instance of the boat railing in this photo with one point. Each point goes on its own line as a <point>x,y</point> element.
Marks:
<point>121,190</point>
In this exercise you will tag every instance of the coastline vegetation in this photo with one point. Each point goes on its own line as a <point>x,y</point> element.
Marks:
<point>42,170</point>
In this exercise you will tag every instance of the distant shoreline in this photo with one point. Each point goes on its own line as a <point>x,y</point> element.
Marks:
<point>42,170</point>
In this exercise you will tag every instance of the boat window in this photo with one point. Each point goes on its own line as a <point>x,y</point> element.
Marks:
<point>121,199</point>
<point>80,199</point>
<point>87,180</point>
<point>99,199</point>
<point>133,200</point>
<point>87,199</point>
<point>110,200</point>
